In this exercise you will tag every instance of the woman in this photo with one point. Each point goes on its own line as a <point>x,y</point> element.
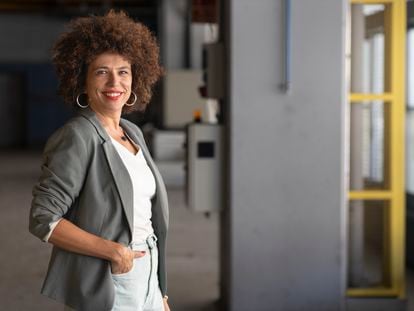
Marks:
<point>100,199</point>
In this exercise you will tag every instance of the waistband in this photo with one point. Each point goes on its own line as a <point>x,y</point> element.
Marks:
<point>149,243</point>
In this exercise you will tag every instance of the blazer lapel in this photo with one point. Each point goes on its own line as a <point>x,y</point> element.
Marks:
<point>122,181</point>
<point>119,172</point>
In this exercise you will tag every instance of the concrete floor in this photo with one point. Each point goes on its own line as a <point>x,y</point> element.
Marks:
<point>192,246</point>
<point>192,249</point>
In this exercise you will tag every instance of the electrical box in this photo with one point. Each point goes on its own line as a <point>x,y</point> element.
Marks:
<point>204,167</point>
<point>181,97</point>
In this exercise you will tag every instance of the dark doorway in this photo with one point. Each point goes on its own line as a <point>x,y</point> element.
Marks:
<point>12,115</point>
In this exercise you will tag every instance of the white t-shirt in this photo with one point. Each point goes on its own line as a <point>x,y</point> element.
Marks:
<point>144,187</point>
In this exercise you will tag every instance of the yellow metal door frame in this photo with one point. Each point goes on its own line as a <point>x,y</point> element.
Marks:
<point>394,131</point>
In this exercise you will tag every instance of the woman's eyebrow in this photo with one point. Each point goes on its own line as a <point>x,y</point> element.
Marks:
<point>106,67</point>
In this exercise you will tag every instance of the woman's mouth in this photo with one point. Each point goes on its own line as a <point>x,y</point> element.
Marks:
<point>112,95</point>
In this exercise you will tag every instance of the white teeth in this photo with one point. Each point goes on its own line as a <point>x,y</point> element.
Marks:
<point>112,94</point>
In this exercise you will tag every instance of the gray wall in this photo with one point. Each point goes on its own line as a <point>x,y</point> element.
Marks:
<point>27,38</point>
<point>285,226</point>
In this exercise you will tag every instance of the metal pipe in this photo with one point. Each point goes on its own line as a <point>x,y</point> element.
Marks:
<point>286,83</point>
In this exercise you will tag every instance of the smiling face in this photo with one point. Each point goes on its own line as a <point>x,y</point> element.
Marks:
<point>108,83</point>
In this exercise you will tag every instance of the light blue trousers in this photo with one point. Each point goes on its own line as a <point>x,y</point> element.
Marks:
<point>138,289</point>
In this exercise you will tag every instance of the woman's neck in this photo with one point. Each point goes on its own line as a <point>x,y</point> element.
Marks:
<point>109,121</point>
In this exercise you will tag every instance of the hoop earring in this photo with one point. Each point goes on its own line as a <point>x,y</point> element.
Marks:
<point>79,104</point>
<point>135,100</point>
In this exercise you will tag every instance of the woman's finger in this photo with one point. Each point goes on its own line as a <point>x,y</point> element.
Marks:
<point>125,269</point>
<point>138,254</point>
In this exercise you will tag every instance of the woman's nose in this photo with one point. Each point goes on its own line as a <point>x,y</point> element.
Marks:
<point>113,79</point>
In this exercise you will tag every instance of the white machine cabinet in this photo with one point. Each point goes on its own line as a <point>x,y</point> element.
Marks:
<point>204,167</point>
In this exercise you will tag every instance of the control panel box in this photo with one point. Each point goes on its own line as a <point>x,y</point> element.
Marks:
<point>204,167</point>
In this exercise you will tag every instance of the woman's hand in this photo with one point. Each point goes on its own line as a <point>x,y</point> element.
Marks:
<point>166,306</point>
<point>70,237</point>
<point>123,259</point>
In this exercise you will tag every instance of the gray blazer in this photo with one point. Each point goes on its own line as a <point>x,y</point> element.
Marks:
<point>84,180</point>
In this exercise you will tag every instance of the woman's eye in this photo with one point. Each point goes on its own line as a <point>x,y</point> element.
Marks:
<point>101,72</point>
<point>124,72</point>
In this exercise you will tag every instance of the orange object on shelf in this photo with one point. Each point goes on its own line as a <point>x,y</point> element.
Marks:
<point>197,116</point>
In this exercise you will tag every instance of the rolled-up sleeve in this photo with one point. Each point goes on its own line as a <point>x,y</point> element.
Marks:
<point>52,227</point>
<point>64,169</point>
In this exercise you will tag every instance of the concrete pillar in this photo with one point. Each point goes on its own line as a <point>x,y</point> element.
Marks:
<point>284,223</point>
<point>173,21</point>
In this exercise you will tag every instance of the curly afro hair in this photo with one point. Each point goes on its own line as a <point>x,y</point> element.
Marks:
<point>88,37</point>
